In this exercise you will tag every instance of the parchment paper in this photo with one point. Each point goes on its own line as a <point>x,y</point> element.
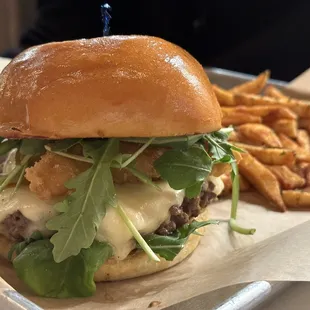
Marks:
<point>279,251</point>
<point>222,259</point>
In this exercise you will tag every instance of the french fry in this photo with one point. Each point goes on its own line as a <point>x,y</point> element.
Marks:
<point>286,126</point>
<point>220,168</point>
<point>304,170</point>
<point>244,184</point>
<point>253,87</point>
<point>262,179</point>
<point>307,176</point>
<point>288,142</point>
<point>304,123</point>
<point>274,130</point>
<point>301,169</point>
<point>301,154</point>
<point>296,199</point>
<point>227,184</point>
<point>299,107</point>
<point>238,118</point>
<point>233,136</point>
<point>303,140</point>
<point>274,92</point>
<point>273,112</point>
<point>287,178</point>
<point>269,156</point>
<point>223,96</point>
<point>260,133</point>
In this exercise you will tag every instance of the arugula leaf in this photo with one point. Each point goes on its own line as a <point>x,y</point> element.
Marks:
<point>32,146</point>
<point>221,151</point>
<point>20,179</point>
<point>137,153</point>
<point>142,177</point>
<point>91,146</point>
<point>234,204</point>
<point>219,147</point>
<point>184,168</point>
<point>64,145</point>
<point>84,210</point>
<point>20,246</point>
<point>194,190</point>
<point>14,173</point>
<point>169,247</point>
<point>8,145</point>
<point>73,277</point>
<point>71,156</point>
<point>182,142</point>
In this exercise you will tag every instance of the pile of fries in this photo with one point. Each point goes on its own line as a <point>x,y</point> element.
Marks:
<point>273,130</point>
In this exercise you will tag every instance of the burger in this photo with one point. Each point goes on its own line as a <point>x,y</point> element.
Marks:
<point>113,150</point>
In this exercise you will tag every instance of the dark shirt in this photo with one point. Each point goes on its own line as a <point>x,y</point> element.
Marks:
<point>246,36</point>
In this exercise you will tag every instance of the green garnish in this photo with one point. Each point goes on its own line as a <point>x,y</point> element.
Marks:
<point>8,145</point>
<point>170,246</point>
<point>73,277</point>
<point>142,243</point>
<point>183,169</point>
<point>83,211</point>
<point>94,192</point>
<point>16,172</point>
<point>72,255</point>
<point>234,205</point>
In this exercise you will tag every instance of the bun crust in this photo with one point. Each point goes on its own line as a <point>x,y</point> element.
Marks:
<point>135,265</point>
<point>116,86</point>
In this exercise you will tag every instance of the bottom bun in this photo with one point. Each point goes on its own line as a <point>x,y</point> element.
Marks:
<point>135,265</point>
<point>138,264</point>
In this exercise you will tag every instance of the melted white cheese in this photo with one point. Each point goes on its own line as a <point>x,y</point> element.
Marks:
<point>146,207</point>
<point>31,207</point>
<point>218,184</point>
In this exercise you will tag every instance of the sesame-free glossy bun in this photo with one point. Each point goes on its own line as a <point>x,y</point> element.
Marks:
<point>116,86</point>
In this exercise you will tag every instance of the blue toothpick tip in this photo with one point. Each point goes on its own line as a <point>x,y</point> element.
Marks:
<point>106,17</point>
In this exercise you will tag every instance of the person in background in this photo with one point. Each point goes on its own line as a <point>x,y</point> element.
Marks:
<point>245,36</point>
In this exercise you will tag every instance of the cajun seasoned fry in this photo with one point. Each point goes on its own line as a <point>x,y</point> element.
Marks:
<point>259,133</point>
<point>287,178</point>
<point>296,199</point>
<point>233,137</point>
<point>303,169</point>
<point>274,130</point>
<point>303,139</point>
<point>274,112</point>
<point>270,156</point>
<point>220,169</point>
<point>301,154</point>
<point>301,108</point>
<point>223,96</point>
<point>304,123</point>
<point>307,176</point>
<point>254,86</point>
<point>238,118</point>
<point>286,126</point>
<point>274,92</point>
<point>262,179</point>
<point>288,142</point>
<point>244,184</point>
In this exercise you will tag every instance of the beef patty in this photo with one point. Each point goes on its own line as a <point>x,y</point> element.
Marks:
<point>189,209</point>
<point>15,225</point>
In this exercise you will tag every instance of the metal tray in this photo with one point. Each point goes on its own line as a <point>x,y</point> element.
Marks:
<point>256,295</point>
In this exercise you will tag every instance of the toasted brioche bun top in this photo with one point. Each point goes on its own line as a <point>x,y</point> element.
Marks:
<point>117,86</point>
